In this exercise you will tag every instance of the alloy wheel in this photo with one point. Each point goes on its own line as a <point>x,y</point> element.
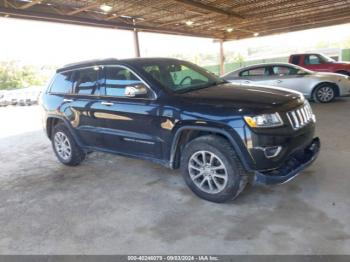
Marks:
<point>62,146</point>
<point>208,172</point>
<point>325,94</point>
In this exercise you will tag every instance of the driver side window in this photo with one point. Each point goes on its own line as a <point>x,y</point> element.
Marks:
<point>117,79</point>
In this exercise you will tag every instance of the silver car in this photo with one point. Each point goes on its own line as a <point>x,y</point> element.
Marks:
<point>321,87</point>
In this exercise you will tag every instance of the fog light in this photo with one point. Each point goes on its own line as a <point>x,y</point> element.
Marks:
<point>271,151</point>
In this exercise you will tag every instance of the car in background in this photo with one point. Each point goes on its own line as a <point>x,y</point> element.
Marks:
<point>321,87</point>
<point>3,101</point>
<point>320,63</point>
<point>12,98</point>
<point>22,99</point>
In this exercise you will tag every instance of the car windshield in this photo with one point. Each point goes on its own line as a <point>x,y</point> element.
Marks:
<point>179,76</point>
<point>326,59</point>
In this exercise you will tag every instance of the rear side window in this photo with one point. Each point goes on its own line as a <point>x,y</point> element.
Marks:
<point>85,81</point>
<point>284,70</point>
<point>259,71</point>
<point>295,60</point>
<point>62,83</point>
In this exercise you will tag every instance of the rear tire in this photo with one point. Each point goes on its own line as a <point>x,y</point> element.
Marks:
<point>66,149</point>
<point>324,93</point>
<point>212,170</point>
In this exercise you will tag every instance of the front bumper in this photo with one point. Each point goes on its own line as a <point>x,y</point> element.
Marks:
<point>292,167</point>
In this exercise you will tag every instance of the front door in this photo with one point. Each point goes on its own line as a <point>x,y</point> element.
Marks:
<point>316,63</point>
<point>288,77</point>
<point>132,122</point>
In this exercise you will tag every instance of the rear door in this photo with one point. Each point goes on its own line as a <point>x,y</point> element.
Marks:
<point>256,75</point>
<point>132,122</point>
<point>85,106</point>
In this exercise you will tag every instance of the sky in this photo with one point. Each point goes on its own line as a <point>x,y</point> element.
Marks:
<point>34,42</point>
<point>46,43</point>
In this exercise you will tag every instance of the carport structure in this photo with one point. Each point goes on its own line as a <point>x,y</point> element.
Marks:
<point>221,20</point>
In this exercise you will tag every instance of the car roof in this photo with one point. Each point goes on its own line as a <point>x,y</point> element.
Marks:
<point>112,61</point>
<point>305,54</point>
<point>261,65</point>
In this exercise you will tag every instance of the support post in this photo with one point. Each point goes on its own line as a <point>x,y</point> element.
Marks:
<point>136,40</point>
<point>222,58</point>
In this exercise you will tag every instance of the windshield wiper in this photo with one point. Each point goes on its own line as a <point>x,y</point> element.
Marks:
<point>207,85</point>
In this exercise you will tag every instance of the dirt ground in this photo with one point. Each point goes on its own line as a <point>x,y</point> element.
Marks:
<point>115,205</point>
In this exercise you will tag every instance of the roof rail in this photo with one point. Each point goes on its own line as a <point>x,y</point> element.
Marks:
<point>92,61</point>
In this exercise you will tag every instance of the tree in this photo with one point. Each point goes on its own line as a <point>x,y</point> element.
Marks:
<point>14,76</point>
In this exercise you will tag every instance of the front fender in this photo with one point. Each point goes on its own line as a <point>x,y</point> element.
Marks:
<point>232,135</point>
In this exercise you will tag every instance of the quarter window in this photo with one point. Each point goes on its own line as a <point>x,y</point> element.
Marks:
<point>117,79</point>
<point>62,83</point>
<point>85,81</point>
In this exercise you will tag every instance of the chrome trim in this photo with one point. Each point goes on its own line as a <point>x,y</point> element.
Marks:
<point>73,87</point>
<point>107,103</point>
<point>138,141</point>
<point>300,117</point>
<point>99,95</point>
<point>278,151</point>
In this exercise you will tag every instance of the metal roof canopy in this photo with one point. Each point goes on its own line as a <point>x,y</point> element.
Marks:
<point>218,19</point>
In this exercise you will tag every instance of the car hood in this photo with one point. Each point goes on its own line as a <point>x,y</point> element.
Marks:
<point>248,98</point>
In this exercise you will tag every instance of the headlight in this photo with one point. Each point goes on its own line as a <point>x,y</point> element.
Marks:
<point>265,120</point>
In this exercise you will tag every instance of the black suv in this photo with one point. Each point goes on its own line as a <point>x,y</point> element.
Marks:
<point>177,114</point>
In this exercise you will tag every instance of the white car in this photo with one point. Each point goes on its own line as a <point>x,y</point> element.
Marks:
<point>321,87</point>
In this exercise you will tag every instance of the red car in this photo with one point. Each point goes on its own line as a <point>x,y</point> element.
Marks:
<point>320,63</point>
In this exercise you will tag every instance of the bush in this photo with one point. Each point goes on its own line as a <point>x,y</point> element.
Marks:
<point>14,76</point>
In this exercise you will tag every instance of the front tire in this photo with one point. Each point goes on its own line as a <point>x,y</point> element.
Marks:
<point>212,170</point>
<point>324,93</point>
<point>66,149</point>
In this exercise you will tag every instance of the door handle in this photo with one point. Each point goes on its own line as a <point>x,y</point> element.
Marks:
<point>279,81</point>
<point>107,103</point>
<point>67,100</point>
<point>247,82</point>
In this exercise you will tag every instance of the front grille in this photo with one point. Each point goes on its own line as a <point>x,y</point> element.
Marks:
<point>301,116</point>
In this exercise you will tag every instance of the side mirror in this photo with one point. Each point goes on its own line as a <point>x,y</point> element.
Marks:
<point>136,90</point>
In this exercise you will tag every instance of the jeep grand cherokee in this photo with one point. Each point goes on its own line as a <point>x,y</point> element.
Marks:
<point>177,114</point>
